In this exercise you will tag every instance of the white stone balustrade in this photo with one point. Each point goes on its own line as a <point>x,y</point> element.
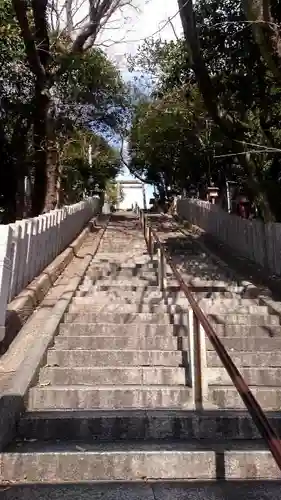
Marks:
<point>252,239</point>
<point>28,246</point>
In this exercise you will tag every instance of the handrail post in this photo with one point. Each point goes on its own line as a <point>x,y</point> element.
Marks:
<point>141,217</point>
<point>150,240</point>
<point>197,361</point>
<point>161,268</point>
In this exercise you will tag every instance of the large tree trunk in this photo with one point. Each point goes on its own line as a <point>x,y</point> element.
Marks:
<point>41,149</point>
<point>232,129</point>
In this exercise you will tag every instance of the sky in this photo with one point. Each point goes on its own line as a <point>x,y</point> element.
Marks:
<point>126,36</point>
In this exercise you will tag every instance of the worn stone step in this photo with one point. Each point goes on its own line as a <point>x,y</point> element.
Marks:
<point>201,287</point>
<point>121,330</point>
<point>228,302</point>
<point>269,377</point>
<point>245,319</point>
<point>266,331</point>
<point>126,342</point>
<point>125,308</point>
<point>119,297</point>
<point>248,359</point>
<point>133,285</point>
<point>109,397</point>
<point>133,292</point>
<point>113,358</point>
<point>227,397</point>
<point>122,274</point>
<point>84,462</point>
<point>125,375</point>
<point>120,425</point>
<point>125,318</point>
<point>247,343</point>
<point>221,309</point>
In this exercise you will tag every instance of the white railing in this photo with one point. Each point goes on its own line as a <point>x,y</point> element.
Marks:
<point>252,239</point>
<point>28,246</point>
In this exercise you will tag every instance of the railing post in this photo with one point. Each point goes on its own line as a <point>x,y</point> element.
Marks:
<point>150,241</point>
<point>161,268</point>
<point>197,361</point>
<point>5,274</point>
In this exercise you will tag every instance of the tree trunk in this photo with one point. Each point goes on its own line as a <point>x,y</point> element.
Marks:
<point>52,175</point>
<point>40,141</point>
<point>233,129</point>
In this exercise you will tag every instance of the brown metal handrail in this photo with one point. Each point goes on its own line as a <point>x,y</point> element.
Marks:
<point>262,423</point>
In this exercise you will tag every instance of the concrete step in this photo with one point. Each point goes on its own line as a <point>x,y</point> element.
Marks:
<point>83,462</point>
<point>266,331</point>
<point>129,342</point>
<point>113,358</point>
<point>248,359</point>
<point>121,425</point>
<point>270,377</point>
<point>228,398</point>
<point>125,318</point>
<point>121,330</point>
<point>109,397</point>
<point>125,375</point>
<point>245,319</point>
<point>247,343</point>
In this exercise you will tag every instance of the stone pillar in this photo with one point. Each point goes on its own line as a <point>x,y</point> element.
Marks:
<point>5,274</point>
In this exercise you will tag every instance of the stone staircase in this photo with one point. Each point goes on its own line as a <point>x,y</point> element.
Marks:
<point>113,400</point>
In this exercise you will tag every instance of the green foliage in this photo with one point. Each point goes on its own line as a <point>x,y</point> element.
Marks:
<point>79,177</point>
<point>86,94</point>
<point>114,194</point>
<point>245,89</point>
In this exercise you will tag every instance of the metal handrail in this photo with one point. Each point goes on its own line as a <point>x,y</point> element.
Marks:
<point>261,421</point>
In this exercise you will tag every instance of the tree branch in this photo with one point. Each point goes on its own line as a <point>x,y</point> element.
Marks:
<point>33,58</point>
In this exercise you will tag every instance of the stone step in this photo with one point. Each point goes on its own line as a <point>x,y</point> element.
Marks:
<point>245,319</point>
<point>162,307</point>
<point>119,297</point>
<point>228,302</point>
<point>121,330</point>
<point>125,375</point>
<point>222,309</point>
<point>246,343</point>
<point>125,318</point>
<point>126,308</point>
<point>78,462</point>
<point>133,285</point>
<point>266,331</point>
<point>122,274</point>
<point>120,425</point>
<point>107,357</point>
<point>109,397</point>
<point>248,359</point>
<point>228,398</point>
<point>135,293</point>
<point>269,377</point>
<point>129,342</point>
